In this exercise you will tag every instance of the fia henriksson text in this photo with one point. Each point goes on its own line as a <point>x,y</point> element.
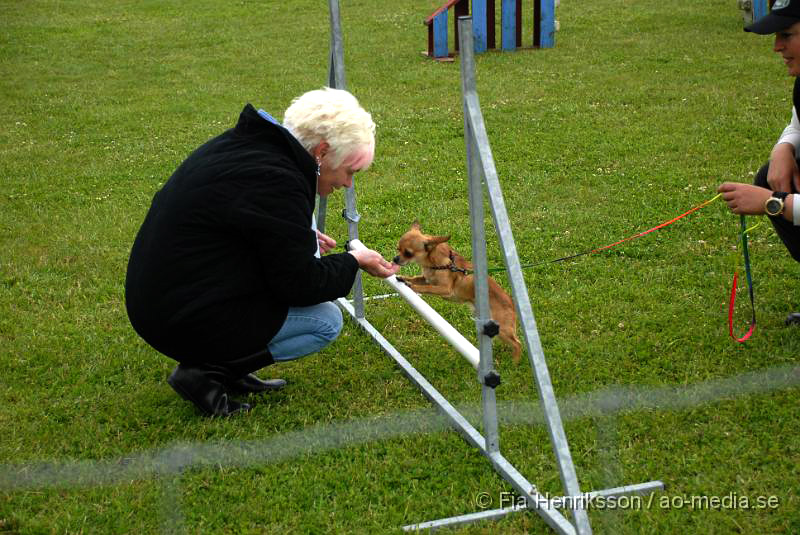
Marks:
<point>589,501</point>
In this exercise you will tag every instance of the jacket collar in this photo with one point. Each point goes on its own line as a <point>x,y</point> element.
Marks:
<point>252,124</point>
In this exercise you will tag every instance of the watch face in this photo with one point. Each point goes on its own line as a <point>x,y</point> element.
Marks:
<point>773,207</point>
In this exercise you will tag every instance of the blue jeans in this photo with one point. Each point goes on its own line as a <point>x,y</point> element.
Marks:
<point>305,331</point>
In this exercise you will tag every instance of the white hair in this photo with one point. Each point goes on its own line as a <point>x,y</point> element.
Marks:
<point>336,117</point>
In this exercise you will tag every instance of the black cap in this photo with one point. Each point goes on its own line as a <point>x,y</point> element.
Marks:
<point>784,13</point>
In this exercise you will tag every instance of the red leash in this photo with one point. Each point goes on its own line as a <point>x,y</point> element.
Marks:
<point>609,246</point>
<point>662,225</point>
<point>749,275</point>
<point>732,302</point>
<point>730,313</point>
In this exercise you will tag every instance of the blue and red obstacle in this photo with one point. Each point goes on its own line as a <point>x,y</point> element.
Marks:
<point>483,20</point>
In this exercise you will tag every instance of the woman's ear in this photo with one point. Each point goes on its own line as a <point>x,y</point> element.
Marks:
<point>320,150</point>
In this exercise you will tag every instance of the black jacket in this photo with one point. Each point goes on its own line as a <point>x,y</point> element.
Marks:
<point>227,247</point>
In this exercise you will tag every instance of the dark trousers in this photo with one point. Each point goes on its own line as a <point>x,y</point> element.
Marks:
<point>786,230</point>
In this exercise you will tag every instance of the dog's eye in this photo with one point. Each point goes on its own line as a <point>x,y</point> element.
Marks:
<point>408,254</point>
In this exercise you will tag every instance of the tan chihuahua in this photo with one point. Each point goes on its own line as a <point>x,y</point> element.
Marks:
<point>446,273</point>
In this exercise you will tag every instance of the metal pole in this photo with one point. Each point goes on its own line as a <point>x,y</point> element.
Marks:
<point>549,513</point>
<point>336,72</point>
<point>350,213</point>
<point>488,378</point>
<point>524,311</point>
<point>336,79</point>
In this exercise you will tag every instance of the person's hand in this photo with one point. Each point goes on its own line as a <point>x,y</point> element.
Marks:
<point>744,199</point>
<point>373,263</point>
<point>326,243</point>
<point>783,171</point>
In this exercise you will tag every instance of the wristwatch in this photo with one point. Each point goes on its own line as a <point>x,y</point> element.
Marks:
<point>774,205</point>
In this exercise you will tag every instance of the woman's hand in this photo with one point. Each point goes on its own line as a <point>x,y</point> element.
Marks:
<point>326,243</point>
<point>373,263</point>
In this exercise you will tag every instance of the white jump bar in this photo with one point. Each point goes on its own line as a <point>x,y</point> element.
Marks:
<point>456,339</point>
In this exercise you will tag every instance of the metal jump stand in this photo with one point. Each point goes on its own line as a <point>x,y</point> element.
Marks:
<point>481,170</point>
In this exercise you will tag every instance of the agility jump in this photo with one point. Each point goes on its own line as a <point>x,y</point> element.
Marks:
<point>455,338</point>
<point>482,172</point>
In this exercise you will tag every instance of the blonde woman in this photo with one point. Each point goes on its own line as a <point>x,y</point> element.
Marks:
<point>225,275</point>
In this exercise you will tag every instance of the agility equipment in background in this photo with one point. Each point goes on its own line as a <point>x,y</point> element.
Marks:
<point>484,22</point>
<point>753,10</point>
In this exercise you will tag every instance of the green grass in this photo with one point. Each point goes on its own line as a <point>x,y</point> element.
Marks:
<point>636,115</point>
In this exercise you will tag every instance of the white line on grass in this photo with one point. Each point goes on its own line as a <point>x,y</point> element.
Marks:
<point>179,457</point>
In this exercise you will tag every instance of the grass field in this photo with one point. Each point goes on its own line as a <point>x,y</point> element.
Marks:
<point>636,115</point>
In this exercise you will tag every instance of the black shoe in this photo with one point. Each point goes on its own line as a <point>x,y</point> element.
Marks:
<point>204,387</point>
<point>250,384</point>
<point>793,319</point>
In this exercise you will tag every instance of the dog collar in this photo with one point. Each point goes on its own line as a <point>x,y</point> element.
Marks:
<point>452,266</point>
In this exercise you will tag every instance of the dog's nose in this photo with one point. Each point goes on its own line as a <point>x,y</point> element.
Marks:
<point>396,260</point>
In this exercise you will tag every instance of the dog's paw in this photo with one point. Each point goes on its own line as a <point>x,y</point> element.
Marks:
<point>403,280</point>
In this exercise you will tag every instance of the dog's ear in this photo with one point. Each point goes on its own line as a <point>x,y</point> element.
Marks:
<point>434,241</point>
<point>415,225</point>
